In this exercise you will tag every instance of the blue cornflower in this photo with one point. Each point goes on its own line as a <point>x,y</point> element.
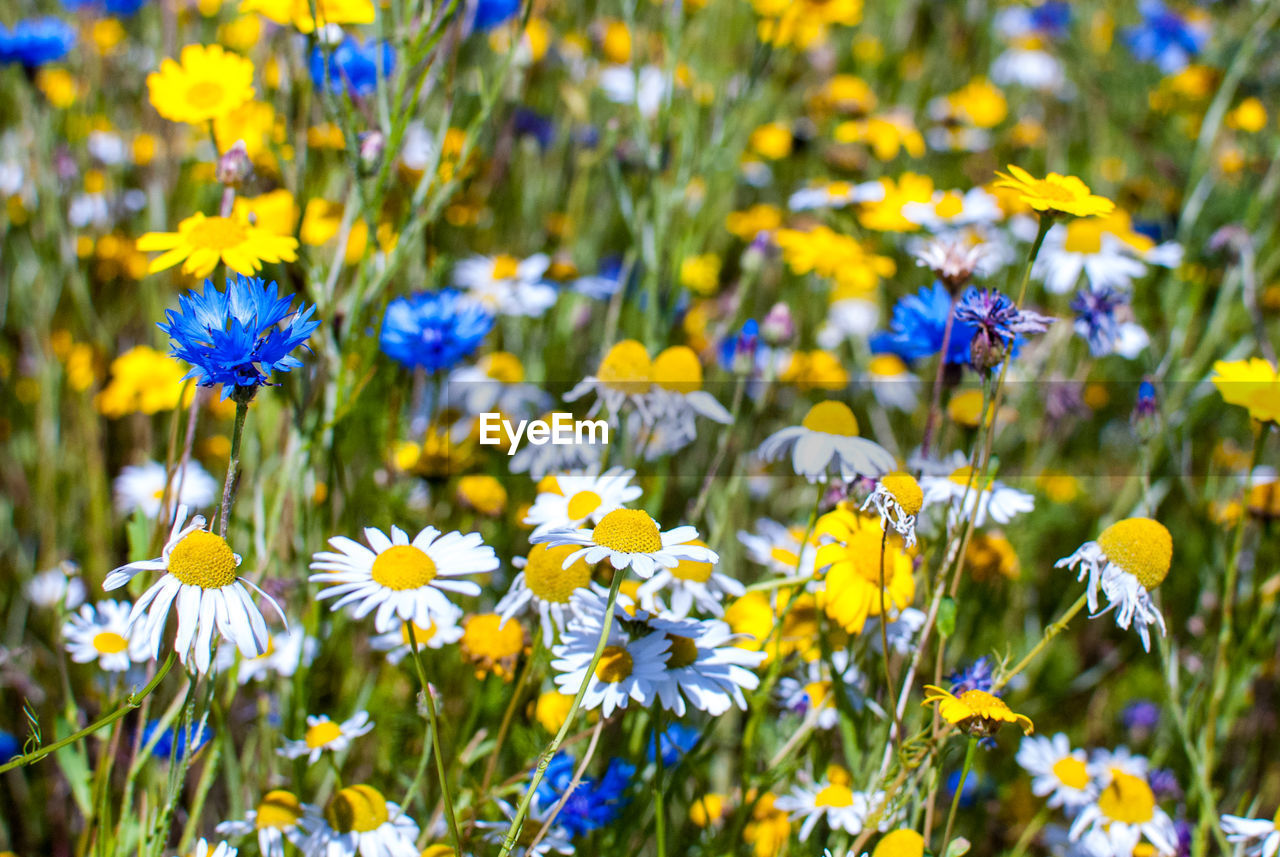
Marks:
<point>594,803</point>
<point>738,351</point>
<point>1147,404</point>
<point>491,13</point>
<point>1051,18</point>
<point>1095,311</point>
<point>36,41</point>
<point>976,676</point>
<point>173,741</point>
<point>434,330</point>
<point>1165,38</point>
<point>234,338</point>
<point>119,8</point>
<point>918,323</point>
<point>530,123</point>
<point>1164,783</point>
<point>352,66</point>
<point>1140,714</point>
<point>997,322</point>
<point>9,746</point>
<point>973,786</point>
<point>677,740</point>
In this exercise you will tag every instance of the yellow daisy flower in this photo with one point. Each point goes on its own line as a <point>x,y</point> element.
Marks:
<point>201,242</point>
<point>1252,384</point>
<point>206,84</point>
<point>1055,194</point>
<point>975,711</point>
<point>851,557</point>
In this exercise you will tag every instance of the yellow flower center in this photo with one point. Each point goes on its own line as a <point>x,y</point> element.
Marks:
<point>278,809</point>
<point>904,488</point>
<point>628,531</point>
<point>505,367</point>
<point>1128,800</point>
<point>691,569</point>
<point>834,795</point>
<point>678,369</point>
<point>817,691</point>
<point>626,368</point>
<point>1051,191</point>
<point>546,578</point>
<point>684,652</point>
<point>615,664</point>
<point>203,559</point>
<point>483,641</point>
<point>322,733</point>
<point>403,567</point>
<point>205,94</point>
<point>950,205</point>
<point>900,843</point>
<point>1140,546</point>
<point>983,704</point>
<point>887,366</point>
<point>505,267</point>
<point>583,504</point>
<point>963,476</point>
<point>356,809</point>
<point>218,233</point>
<point>109,643</point>
<point>1071,772</point>
<point>420,634</point>
<point>831,418</point>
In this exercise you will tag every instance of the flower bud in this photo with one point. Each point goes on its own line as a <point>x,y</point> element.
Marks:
<point>234,166</point>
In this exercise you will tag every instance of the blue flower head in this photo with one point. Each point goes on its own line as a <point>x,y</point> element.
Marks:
<point>235,338</point>
<point>352,67</point>
<point>1165,38</point>
<point>491,13</point>
<point>172,741</point>
<point>119,8</point>
<point>677,741</point>
<point>976,676</point>
<point>593,804</point>
<point>917,326</point>
<point>9,746</point>
<point>434,330</point>
<point>1051,18</point>
<point>1096,322</point>
<point>36,41</point>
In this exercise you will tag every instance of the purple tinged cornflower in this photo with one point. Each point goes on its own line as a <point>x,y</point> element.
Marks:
<point>1164,783</point>
<point>1095,311</point>
<point>976,676</point>
<point>998,321</point>
<point>1140,714</point>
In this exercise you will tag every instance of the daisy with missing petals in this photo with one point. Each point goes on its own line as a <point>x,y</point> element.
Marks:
<point>204,849</point>
<point>507,285</point>
<point>1058,772</point>
<point>690,583</point>
<point>571,500</point>
<point>100,632</point>
<point>826,442</point>
<point>358,820</point>
<point>624,377</point>
<point>994,500</point>
<point>703,665</point>
<point>898,499</point>
<point>1124,814</point>
<point>629,669</point>
<point>678,395</point>
<point>545,582</point>
<point>833,801</point>
<point>141,487</point>
<point>629,537</point>
<point>403,580</point>
<point>325,734</point>
<point>201,584</point>
<point>275,819</point>
<point>1054,194</point>
<point>1127,562</point>
<point>396,643</point>
<point>1259,836</point>
<point>975,711</point>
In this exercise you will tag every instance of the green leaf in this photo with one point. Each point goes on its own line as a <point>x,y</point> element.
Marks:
<point>947,617</point>
<point>958,847</point>
<point>74,763</point>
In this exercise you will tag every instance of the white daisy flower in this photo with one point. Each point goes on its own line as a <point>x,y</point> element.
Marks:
<point>629,669</point>
<point>624,378</point>
<point>275,820</point>
<point>57,586</point>
<point>573,499</point>
<point>507,285</point>
<point>540,460</point>
<point>951,209</point>
<point>325,734</point>
<point>204,849</point>
<point>1058,772</point>
<point>201,584</point>
<point>898,499</point>
<point>1259,836</point>
<point>630,538</point>
<point>1107,250</point>
<point>141,487</point>
<point>100,632</point>
<point>1127,562</point>
<point>396,643</point>
<point>358,820</point>
<point>645,88</point>
<point>677,394</point>
<point>691,583</point>
<point>777,547</point>
<point>558,840</point>
<point>1032,68</point>
<point>827,442</point>
<point>495,384</point>
<point>1125,813</point>
<point>287,649</point>
<point>835,195</point>
<point>833,800</point>
<point>703,665</point>
<point>901,631</point>
<point>548,585</point>
<point>892,383</point>
<point>403,580</point>
<point>848,319</point>
<point>996,501</point>
<point>815,689</point>
<point>1104,763</point>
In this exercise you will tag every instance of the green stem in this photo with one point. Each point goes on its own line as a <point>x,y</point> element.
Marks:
<point>513,832</point>
<point>131,702</point>
<point>1049,633</point>
<point>233,464</point>
<point>955,798</point>
<point>434,723</point>
<point>884,642</point>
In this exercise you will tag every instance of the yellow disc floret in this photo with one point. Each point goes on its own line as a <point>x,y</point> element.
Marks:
<point>615,664</point>
<point>627,368</point>
<point>693,570</point>
<point>356,809</point>
<point>1128,799</point>
<point>628,531</point>
<point>1071,772</point>
<point>678,369</point>
<point>582,504</point>
<point>279,809</point>
<point>504,366</point>
<point>322,734</point>
<point>834,795</point>
<point>684,652</point>
<point>203,559</point>
<point>905,490</point>
<point>900,843</point>
<point>1140,546</point>
<point>831,418</point>
<point>975,711</point>
<point>547,578</point>
<point>403,567</point>
<point>109,643</point>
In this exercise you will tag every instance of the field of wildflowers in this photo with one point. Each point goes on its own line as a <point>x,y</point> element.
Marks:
<point>473,428</point>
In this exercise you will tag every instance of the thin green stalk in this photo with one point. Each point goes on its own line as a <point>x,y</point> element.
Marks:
<point>233,464</point>
<point>955,798</point>
<point>884,643</point>
<point>435,739</point>
<point>1049,633</point>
